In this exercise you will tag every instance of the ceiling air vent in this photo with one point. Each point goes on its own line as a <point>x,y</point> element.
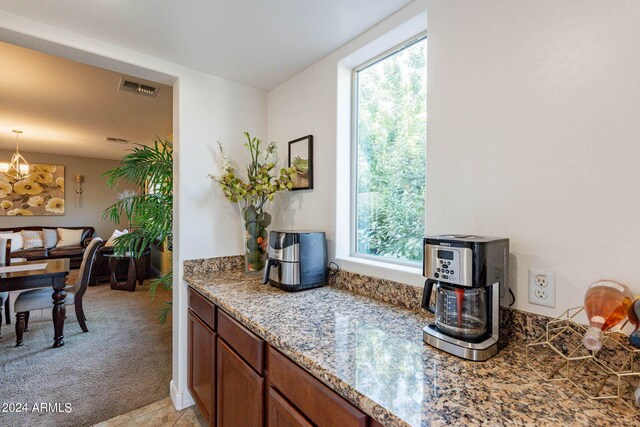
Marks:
<point>139,88</point>
<point>116,140</point>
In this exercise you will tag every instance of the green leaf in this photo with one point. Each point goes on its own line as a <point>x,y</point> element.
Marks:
<point>254,229</point>
<point>264,219</point>
<point>164,312</point>
<point>250,214</point>
<point>252,244</point>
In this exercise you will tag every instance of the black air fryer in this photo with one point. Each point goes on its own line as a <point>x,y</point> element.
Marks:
<point>297,260</point>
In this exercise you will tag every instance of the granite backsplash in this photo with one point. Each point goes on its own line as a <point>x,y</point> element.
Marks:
<point>523,326</point>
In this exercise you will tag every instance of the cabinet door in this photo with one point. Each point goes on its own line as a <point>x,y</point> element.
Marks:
<point>201,370</point>
<point>282,414</point>
<point>240,399</point>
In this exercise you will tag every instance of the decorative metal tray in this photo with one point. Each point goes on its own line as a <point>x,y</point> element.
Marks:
<point>609,373</point>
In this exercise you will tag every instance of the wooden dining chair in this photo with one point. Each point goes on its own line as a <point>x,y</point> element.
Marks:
<point>5,258</point>
<point>39,299</point>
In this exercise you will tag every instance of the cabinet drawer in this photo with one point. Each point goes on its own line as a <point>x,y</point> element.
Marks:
<point>319,403</point>
<point>203,308</point>
<point>244,342</point>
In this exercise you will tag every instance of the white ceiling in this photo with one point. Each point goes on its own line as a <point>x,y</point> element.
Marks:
<point>65,107</point>
<point>261,43</point>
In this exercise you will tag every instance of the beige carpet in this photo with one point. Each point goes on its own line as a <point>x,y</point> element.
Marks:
<point>121,364</point>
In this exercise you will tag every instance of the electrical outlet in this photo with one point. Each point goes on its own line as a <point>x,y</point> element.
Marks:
<point>542,288</point>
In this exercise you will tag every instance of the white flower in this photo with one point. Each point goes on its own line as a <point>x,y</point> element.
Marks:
<point>35,201</point>
<point>226,164</point>
<point>55,205</point>
<point>271,154</point>
<point>19,212</point>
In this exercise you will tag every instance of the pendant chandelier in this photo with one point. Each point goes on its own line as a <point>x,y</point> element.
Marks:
<point>18,168</point>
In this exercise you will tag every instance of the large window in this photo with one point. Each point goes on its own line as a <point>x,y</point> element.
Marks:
<point>390,131</point>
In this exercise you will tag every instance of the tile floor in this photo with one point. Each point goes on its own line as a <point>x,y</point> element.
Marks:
<point>161,413</point>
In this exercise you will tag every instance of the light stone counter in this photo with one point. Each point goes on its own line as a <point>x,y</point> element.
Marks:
<point>372,353</point>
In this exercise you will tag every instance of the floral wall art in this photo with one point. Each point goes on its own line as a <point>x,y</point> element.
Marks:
<point>40,193</point>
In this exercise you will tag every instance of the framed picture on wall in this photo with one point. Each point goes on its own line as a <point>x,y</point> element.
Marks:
<point>40,193</point>
<point>301,158</point>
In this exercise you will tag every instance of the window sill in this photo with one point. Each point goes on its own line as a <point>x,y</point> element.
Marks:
<point>383,270</point>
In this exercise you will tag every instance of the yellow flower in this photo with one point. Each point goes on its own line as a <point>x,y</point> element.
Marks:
<point>27,186</point>
<point>19,212</point>
<point>60,183</point>
<point>56,205</point>
<point>5,189</point>
<point>6,204</point>
<point>43,168</point>
<point>41,177</point>
<point>35,201</point>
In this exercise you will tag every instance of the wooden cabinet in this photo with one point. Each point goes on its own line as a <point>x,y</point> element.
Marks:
<point>282,413</point>
<point>229,383</point>
<point>240,391</point>
<point>201,366</point>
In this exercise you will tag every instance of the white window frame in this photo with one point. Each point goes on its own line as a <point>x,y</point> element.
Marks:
<point>354,155</point>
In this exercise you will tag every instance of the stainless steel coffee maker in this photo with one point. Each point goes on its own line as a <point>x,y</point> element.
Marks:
<point>466,273</point>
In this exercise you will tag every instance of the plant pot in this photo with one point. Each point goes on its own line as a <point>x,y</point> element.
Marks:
<point>256,238</point>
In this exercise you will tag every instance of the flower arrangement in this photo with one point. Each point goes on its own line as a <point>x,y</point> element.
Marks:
<point>253,195</point>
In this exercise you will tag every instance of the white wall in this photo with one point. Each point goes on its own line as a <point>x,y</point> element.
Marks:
<point>206,109</point>
<point>532,133</point>
<point>306,105</point>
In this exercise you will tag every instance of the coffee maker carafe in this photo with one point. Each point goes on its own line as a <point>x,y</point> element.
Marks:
<point>466,273</point>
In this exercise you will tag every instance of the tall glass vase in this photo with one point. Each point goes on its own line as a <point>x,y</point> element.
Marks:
<point>256,221</point>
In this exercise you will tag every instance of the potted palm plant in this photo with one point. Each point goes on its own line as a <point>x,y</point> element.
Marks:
<point>149,211</point>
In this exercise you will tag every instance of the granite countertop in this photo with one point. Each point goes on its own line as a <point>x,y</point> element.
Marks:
<point>372,353</point>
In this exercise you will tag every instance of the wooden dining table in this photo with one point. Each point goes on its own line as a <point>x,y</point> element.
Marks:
<point>54,275</point>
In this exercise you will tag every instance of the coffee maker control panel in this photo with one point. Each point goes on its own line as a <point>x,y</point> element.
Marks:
<point>448,264</point>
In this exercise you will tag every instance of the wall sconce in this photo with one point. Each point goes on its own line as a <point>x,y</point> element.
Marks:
<point>79,181</point>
